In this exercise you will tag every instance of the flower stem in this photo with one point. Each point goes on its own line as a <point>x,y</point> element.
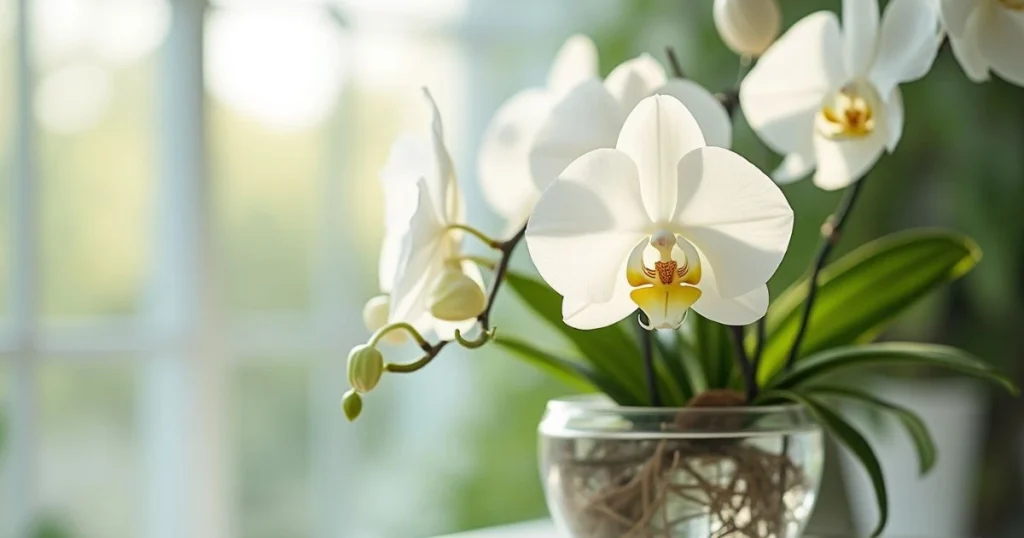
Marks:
<point>830,234</point>
<point>431,351</point>
<point>396,327</point>
<point>507,248</point>
<point>407,368</point>
<point>486,239</point>
<point>647,348</point>
<point>746,367</point>
<point>673,62</point>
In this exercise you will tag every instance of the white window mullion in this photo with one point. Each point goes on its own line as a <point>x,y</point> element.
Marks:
<point>24,301</point>
<point>183,393</point>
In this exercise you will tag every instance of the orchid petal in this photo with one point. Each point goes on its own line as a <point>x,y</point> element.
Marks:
<point>736,216</point>
<point>841,162</point>
<point>656,135</point>
<point>585,225</point>
<point>738,311</point>
<point>574,63</point>
<point>711,116</point>
<point>794,166</point>
<point>504,154</point>
<point>442,180</point>
<point>585,314</point>
<point>784,91</point>
<point>1002,43</point>
<point>908,43</point>
<point>967,49</point>
<point>587,118</point>
<point>860,35</point>
<point>956,13</point>
<point>894,119</point>
<point>407,161</point>
<point>421,259</point>
<point>635,79</point>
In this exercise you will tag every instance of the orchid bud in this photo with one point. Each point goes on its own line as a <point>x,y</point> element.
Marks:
<point>376,314</point>
<point>365,366</point>
<point>352,405</point>
<point>456,297</point>
<point>748,27</point>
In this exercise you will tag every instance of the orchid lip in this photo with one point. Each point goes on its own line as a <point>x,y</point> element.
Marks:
<point>665,289</point>
<point>852,112</point>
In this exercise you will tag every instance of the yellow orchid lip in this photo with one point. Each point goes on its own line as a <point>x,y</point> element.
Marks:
<point>666,291</point>
<point>1015,5</point>
<point>849,113</point>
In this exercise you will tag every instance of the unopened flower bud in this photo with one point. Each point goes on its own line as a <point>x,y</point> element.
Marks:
<point>748,27</point>
<point>352,405</point>
<point>456,297</point>
<point>365,366</point>
<point>375,316</point>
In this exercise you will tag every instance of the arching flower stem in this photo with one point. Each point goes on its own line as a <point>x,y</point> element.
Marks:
<point>431,351</point>
<point>484,238</point>
<point>830,235</point>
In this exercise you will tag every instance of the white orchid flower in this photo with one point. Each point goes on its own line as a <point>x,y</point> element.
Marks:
<point>828,98</point>
<point>503,161</point>
<point>591,115</point>
<point>422,268</point>
<point>662,222</point>
<point>987,35</point>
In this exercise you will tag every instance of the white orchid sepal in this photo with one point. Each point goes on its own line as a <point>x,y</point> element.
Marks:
<point>987,36</point>
<point>502,164</point>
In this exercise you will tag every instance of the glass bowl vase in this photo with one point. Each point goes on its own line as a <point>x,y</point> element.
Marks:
<point>694,472</point>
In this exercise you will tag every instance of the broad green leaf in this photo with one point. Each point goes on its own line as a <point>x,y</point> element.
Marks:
<point>714,350</point>
<point>670,361</point>
<point>692,365</point>
<point>864,290</point>
<point>916,428</point>
<point>850,438</point>
<point>609,350</point>
<point>814,367</point>
<point>575,375</point>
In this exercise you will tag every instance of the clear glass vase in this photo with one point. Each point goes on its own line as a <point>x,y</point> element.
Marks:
<point>697,472</point>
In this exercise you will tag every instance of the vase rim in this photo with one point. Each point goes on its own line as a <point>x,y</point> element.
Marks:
<point>601,402</point>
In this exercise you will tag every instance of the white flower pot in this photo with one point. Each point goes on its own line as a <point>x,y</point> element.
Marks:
<point>937,505</point>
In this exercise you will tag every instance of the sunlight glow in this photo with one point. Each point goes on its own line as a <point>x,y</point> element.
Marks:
<point>283,67</point>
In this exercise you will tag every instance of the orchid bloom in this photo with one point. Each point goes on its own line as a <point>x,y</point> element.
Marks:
<point>592,114</point>
<point>503,161</point>
<point>987,35</point>
<point>430,284</point>
<point>828,99</point>
<point>661,222</point>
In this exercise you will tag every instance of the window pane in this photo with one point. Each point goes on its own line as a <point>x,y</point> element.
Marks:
<point>96,114</point>
<point>7,60</point>
<point>271,449</point>
<point>274,75</point>
<point>88,467</point>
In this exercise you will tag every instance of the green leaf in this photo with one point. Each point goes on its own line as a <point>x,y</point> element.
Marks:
<point>714,350</point>
<point>863,291</point>
<point>609,350</point>
<point>692,365</point>
<point>812,368</point>
<point>850,438</point>
<point>575,375</point>
<point>670,363</point>
<point>916,428</point>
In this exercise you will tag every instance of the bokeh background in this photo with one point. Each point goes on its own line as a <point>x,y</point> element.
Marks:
<point>189,224</point>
